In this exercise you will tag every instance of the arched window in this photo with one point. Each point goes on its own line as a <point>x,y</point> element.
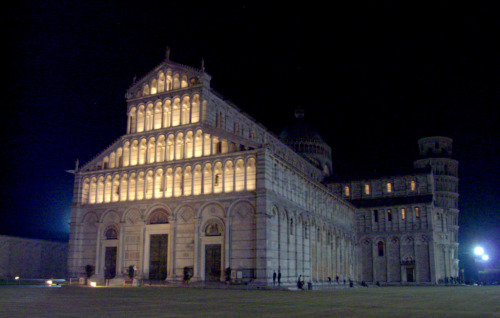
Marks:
<point>188,181</point>
<point>207,145</point>
<point>154,86</point>
<point>218,178</point>
<point>184,81</point>
<point>111,233</point>
<point>100,190</point>
<point>161,82</point>
<point>116,189</point>
<point>176,112</point>
<point>170,148</point>
<point>179,146</point>
<point>169,80</point>
<point>112,160</point>
<point>151,150</point>
<point>168,183</point>
<point>229,177</point>
<point>178,182</point>
<point>197,180</point>
<point>93,191</point>
<point>142,152</point>
<point>240,176</point>
<point>167,114</point>
<point>198,144</point>
<point>389,187</point>
<point>85,191</point>
<point>132,187</point>
<point>186,110</point>
<point>158,217</point>
<point>149,185</point>
<point>367,189</point>
<point>177,82</point>
<point>157,116</point>
<point>195,111</point>
<point>140,119</point>
<point>413,185</point>
<point>189,144</point>
<point>145,90</point>
<point>251,174</point>
<point>126,154</point>
<point>134,151</point>
<point>207,177</point>
<point>213,229</point>
<point>132,120</point>
<point>149,117</point>
<point>160,150</point>
<point>141,179</point>
<point>159,183</point>
<point>123,188</point>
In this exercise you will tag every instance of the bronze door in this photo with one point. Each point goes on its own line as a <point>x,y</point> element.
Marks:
<point>158,251</point>
<point>110,262</point>
<point>409,274</point>
<point>212,262</point>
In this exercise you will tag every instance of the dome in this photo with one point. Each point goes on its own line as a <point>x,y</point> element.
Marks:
<point>300,130</point>
<point>305,140</point>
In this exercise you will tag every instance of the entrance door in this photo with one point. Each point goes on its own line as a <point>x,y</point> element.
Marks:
<point>212,262</point>
<point>158,250</point>
<point>110,262</point>
<point>409,274</point>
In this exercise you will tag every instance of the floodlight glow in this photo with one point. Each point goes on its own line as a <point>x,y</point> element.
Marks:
<point>49,282</point>
<point>16,278</point>
<point>479,251</point>
<point>93,284</point>
<point>485,257</point>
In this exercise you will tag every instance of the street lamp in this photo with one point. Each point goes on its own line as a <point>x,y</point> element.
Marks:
<point>481,257</point>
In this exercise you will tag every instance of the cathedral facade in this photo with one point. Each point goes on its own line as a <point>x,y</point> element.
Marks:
<point>198,186</point>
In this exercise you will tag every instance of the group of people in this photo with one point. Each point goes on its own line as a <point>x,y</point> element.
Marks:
<point>277,277</point>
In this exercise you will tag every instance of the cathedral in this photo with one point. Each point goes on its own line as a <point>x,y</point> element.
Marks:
<point>198,186</point>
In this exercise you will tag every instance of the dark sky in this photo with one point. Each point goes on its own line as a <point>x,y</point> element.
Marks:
<point>373,78</point>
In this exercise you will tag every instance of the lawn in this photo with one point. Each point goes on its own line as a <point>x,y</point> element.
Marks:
<point>72,301</point>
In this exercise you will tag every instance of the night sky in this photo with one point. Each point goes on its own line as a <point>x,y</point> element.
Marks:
<point>373,79</point>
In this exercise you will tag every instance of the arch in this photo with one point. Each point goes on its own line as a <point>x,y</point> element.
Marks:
<point>131,216</point>
<point>151,150</point>
<point>110,216</point>
<point>168,183</point>
<point>198,143</point>
<point>228,176</point>
<point>90,218</point>
<point>218,177</point>
<point>176,112</point>
<point>85,191</point>
<point>154,86</point>
<point>212,209</point>
<point>239,178</point>
<point>149,184</point>
<point>167,114</point>
<point>158,216</point>
<point>110,232</point>
<point>251,174</point>
<point>186,111</point>
<point>161,82</point>
<point>213,227</point>
<point>207,178</point>
<point>160,149</point>
<point>157,115</point>
<point>243,209</point>
<point>132,119</point>
<point>140,119</point>
<point>142,151</point>
<point>132,187</point>
<point>179,146</point>
<point>149,117</point>
<point>195,110</point>
<point>158,183</point>
<point>188,181</point>
<point>189,144</point>
<point>197,179</point>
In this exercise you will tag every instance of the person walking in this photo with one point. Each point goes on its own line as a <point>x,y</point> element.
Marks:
<point>279,278</point>
<point>274,278</point>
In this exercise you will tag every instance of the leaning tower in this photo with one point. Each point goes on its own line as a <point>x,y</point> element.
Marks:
<point>436,154</point>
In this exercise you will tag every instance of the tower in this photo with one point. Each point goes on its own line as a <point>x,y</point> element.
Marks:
<point>436,154</point>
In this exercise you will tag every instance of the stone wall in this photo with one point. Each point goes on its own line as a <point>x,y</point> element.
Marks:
<point>32,258</point>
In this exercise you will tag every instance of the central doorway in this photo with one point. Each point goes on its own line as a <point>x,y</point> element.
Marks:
<point>158,251</point>
<point>212,262</point>
<point>409,274</point>
<point>110,262</point>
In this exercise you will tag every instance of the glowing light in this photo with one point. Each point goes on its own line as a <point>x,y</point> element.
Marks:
<point>93,284</point>
<point>49,282</point>
<point>485,257</point>
<point>16,278</point>
<point>479,251</point>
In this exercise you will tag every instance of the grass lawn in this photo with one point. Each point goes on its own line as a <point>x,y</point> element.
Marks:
<point>68,301</point>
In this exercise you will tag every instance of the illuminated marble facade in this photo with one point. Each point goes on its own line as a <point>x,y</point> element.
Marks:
<point>197,183</point>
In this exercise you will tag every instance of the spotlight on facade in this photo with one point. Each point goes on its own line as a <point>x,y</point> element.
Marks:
<point>93,284</point>
<point>485,257</point>
<point>479,251</point>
